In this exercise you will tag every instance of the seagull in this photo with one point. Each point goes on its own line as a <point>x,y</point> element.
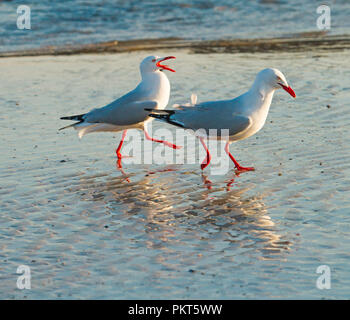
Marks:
<point>242,116</point>
<point>128,112</point>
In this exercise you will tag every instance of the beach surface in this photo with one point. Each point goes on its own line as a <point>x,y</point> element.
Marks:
<point>88,230</point>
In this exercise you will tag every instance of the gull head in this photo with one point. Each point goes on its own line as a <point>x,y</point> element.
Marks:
<point>274,79</point>
<point>154,63</point>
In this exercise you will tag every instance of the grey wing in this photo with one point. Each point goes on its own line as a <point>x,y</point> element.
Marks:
<point>234,124</point>
<point>203,117</point>
<point>122,113</point>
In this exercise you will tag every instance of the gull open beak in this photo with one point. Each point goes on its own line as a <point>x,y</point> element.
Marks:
<point>288,89</point>
<point>162,66</point>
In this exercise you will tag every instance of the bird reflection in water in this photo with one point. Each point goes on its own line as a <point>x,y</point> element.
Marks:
<point>208,183</point>
<point>120,168</point>
<point>171,215</point>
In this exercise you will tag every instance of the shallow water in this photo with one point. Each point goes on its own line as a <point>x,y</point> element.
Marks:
<point>87,230</point>
<point>86,21</point>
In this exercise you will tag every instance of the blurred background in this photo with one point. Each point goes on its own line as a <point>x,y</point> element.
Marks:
<point>88,21</point>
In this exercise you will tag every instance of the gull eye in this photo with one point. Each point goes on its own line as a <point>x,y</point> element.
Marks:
<point>153,60</point>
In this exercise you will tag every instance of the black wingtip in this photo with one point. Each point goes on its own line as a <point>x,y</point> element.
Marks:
<point>166,118</point>
<point>157,116</point>
<point>78,117</point>
<point>71,125</point>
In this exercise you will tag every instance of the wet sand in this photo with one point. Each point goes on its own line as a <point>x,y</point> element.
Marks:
<point>87,232</point>
<point>301,42</point>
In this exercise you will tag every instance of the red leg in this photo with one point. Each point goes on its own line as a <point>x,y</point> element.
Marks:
<point>229,184</point>
<point>237,165</point>
<point>207,159</point>
<point>207,182</point>
<point>120,168</point>
<point>120,145</point>
<point>171,145</point>
<point>119,163</point>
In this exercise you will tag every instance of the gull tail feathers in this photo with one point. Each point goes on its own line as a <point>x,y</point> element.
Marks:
<point>84,128</point>
<point>81,126</point>
<point>78,117</point>
<point>88,127</point>
<point>194,99</point>
<point>69,126</point>
<point>164,115</point>
<point>193,102</point>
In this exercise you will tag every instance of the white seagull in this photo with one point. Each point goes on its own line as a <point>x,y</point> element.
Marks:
<point>128,112</point>
<point>242,116</point>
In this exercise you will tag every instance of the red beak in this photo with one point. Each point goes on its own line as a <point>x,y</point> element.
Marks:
<point>165,67</point>
<point>289,90</point>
